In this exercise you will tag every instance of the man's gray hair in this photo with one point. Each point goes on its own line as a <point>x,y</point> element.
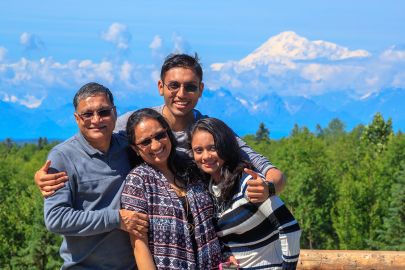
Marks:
<point>92,89</point>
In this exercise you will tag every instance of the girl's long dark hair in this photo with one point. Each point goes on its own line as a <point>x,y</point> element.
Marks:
<point>183,169</point>
<point>228,150</point>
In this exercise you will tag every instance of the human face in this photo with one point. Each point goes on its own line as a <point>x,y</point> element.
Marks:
<point>97,130</point>
<point>155,153</point>
<point>206,155</point>
<point>180,103</point>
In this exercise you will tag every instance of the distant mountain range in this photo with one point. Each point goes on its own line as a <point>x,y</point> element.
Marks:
<point>280,114</point>
<point>287,80</point>
<point>244,115</point>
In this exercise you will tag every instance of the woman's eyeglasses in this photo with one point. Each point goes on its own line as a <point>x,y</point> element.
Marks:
<point>158,137</point>
<point>86,116</point>
<point>174,86</point>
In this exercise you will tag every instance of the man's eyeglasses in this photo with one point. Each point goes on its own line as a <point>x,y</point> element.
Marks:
<point>86,116</point>
<point>158,137</point>
<point>174,86</point>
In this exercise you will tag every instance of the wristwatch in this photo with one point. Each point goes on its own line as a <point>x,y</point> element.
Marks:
<point>272,189</point>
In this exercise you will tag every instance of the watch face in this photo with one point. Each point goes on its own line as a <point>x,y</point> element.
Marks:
<point>272,189</point>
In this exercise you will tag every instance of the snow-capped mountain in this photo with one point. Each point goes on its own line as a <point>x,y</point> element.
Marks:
<point>288,46</point>
<point>288,79</point>
<point>292,65</point>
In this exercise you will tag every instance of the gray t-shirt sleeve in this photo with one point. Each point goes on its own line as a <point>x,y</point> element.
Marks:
<point>60,215</point>
<point>258,161</point>
<point>121,124</point>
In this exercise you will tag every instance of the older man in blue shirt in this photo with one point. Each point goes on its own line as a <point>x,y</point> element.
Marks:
<point>86,211</point>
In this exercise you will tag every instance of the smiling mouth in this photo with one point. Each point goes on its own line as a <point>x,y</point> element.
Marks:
<point>158,153</point>
<point>98,128</point>
<point>209,165</point>
<point>181,103</point>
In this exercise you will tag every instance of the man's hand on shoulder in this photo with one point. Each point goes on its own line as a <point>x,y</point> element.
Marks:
<point>134,222</point>
<point>49,183</point>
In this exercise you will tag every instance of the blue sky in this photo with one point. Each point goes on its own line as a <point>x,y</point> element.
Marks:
<point>218,30</point>
<point>48,49</point>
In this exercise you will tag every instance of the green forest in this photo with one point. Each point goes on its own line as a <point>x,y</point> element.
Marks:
<point>346,189</point>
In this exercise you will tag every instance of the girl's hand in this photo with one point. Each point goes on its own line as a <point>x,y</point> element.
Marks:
<point>231,264</point>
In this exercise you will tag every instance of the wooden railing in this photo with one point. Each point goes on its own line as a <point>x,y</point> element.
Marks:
<point>351,260</point>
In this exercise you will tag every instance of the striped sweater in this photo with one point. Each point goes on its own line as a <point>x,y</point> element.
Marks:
<point>260,236</point>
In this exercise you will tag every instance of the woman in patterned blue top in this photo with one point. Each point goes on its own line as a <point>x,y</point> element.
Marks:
<point>258,236</point>
<point>181,232</point>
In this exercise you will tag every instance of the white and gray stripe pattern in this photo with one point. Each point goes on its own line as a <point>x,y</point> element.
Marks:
<point>260,236</point>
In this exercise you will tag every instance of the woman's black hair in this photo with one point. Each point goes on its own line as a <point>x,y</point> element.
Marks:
<point>228,150</point>
<point>182,169</point>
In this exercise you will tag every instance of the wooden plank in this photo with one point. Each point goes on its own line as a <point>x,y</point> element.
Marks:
<point>351,260</point>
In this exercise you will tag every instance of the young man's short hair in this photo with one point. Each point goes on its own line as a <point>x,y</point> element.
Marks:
<point>184,61</point>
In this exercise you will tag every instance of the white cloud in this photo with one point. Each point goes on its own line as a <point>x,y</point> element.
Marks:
<point>31,101</point>
<point>28,101</point>
<point>31,42</point>
<point>7,98</point>
<point>48,72</point>
<point>399,80</point>
<point>156,43</point>
<point>393,54</point>
<point>3,53</point>
<point>125,74</point>
<point>155,75</point>
<point>158,49</point>
<point>217,66</point>
<point>180,45</point>
<point>86,70</point>
<point>105,71</point>
<point>119,35</point>
<point>29,82</point>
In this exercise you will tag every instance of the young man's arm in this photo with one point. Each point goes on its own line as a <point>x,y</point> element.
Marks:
<point>48,183</point>
<point>258,190</point>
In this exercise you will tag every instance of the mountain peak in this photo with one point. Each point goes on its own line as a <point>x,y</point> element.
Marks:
<point>288,46</point>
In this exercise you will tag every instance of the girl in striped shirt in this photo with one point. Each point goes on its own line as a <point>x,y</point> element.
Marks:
<point>254,236</point>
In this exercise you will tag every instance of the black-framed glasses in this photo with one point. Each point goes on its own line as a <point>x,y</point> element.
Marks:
<point>103,113</point>
<point>174,86</point>
<point>158,137</point>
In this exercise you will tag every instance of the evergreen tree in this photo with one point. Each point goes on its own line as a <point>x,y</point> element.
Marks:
<point>391,237</point>
<point>309,193</point>
<point>24,241</point>
<point>319,131</point>
<point>378,132</point>
<point>335,129</point>
<point>9,143</point>
<point>262,133</point>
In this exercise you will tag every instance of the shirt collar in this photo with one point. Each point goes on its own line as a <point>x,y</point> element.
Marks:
<point>90,149</point>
